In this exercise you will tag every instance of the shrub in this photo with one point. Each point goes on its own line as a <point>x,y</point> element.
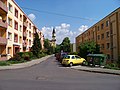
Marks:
<point>118,62</point>
<point>15,62</point>
<point>16,57</point>
<point>30,54</point>
<point>4,63</point>
<point>26,56</point>
<point>20,53</point>
<point>74,53</point>
<point>112,66</point>
<point>42,55</point>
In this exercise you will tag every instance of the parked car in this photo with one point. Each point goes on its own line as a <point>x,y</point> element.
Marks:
<point>60,56</point>
<point>71,60</point>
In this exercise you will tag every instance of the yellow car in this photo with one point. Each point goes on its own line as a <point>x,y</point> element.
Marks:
<point>70,60</point>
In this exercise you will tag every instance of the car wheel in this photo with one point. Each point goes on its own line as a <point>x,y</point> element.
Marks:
<point>71,64</point>
<point>84,63</point>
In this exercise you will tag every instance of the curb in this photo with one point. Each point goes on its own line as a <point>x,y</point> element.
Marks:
<point>107,71</point>
<point>26,64</point>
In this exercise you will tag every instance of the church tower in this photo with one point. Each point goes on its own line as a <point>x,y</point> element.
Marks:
<point>53,38</point>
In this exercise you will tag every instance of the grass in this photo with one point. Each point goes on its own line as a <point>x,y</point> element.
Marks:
<point>4,63</point>
<point>112,66</point>
<point>9,62</point>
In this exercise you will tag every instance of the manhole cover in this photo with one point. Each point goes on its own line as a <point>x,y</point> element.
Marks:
<point>41,78</point>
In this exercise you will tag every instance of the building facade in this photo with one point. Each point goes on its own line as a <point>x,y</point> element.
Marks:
<point>106,33</point>
<point>3,28</point>
<point>41,36</point>
<point>73,47</point>
<point>16,30</point>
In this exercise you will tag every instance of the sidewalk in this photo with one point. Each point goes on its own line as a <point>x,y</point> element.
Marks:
<point>96,70</point>
<point>23,65</point>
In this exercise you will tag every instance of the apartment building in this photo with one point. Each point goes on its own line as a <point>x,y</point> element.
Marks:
<point>3,28</point>
<point>106,33</point>
<point>16,30</point>
<point>41,36</point>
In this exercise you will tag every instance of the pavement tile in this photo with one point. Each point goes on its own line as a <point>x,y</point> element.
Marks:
<point>96,70</point>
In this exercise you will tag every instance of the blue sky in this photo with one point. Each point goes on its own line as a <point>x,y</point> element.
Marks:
<point>92,10</point>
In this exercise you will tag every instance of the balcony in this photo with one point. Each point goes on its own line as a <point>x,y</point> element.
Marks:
<point>3,24</point>
<point>3,41</point>
<point>24,44</point>
<point>3,6</point>
<point>25,24</point>
<point>24,34</point>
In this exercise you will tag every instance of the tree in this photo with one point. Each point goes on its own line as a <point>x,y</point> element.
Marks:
<point>57,49</point>
<point>65,45</point>
<point>36,45</point>
<point>46,44</point>
<point>49,49</point>
<point>88,47</point>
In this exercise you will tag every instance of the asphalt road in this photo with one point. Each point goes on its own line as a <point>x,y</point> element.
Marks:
<point>50,75</point>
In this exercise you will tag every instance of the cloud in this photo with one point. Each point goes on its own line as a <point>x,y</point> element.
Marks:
<point>63,31</point>
<point>82,28</point>
<point>32,17</point>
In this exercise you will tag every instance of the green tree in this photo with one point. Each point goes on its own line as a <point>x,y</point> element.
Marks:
<point>88,47</point>
<point>57,49</point>
<point>65,45</point>
<point>46,43</point>
<point>36,45</point>
<point>49,49</point>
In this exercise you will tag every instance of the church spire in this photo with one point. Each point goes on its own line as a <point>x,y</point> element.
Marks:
<point>54,38</point>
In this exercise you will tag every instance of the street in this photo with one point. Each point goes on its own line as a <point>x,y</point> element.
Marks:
<point>50,75</point>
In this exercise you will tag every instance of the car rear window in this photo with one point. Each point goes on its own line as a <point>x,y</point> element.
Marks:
<point>67,57</point>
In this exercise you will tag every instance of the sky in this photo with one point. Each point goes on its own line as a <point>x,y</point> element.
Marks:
<point>69,17</point>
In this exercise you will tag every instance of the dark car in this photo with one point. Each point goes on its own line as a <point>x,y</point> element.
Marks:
<point>60,56</point>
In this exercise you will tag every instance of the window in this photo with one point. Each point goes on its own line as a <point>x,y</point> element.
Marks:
<point>9,36</point>
<point>20,17</point>
<point>108,56</point>
<point>16,12</point>
<point>77,57</point>
<point>107,23</point>
<point>102,26</point>
<point>102,46</point>
<point>20,39</point>
<point>10,7</point>
<point>98,28</point>
<point>102,36</point>
<point>29,34</point>
<point>29,25</point>
<point>9,49</point>
<point>98,45</point>
<point>16,25</point>
<point>108,45</point>
<point>89,33</point>
<point>73,57</point>
<point>29,42</point>
<point>20,28</point>
<point>15,38</point>
<point>98,37</point>
<point>9,21</point>
<point>107,34</point>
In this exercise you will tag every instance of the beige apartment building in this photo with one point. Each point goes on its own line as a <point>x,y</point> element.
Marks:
<point>106,33</point>
<point>16,30</point>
